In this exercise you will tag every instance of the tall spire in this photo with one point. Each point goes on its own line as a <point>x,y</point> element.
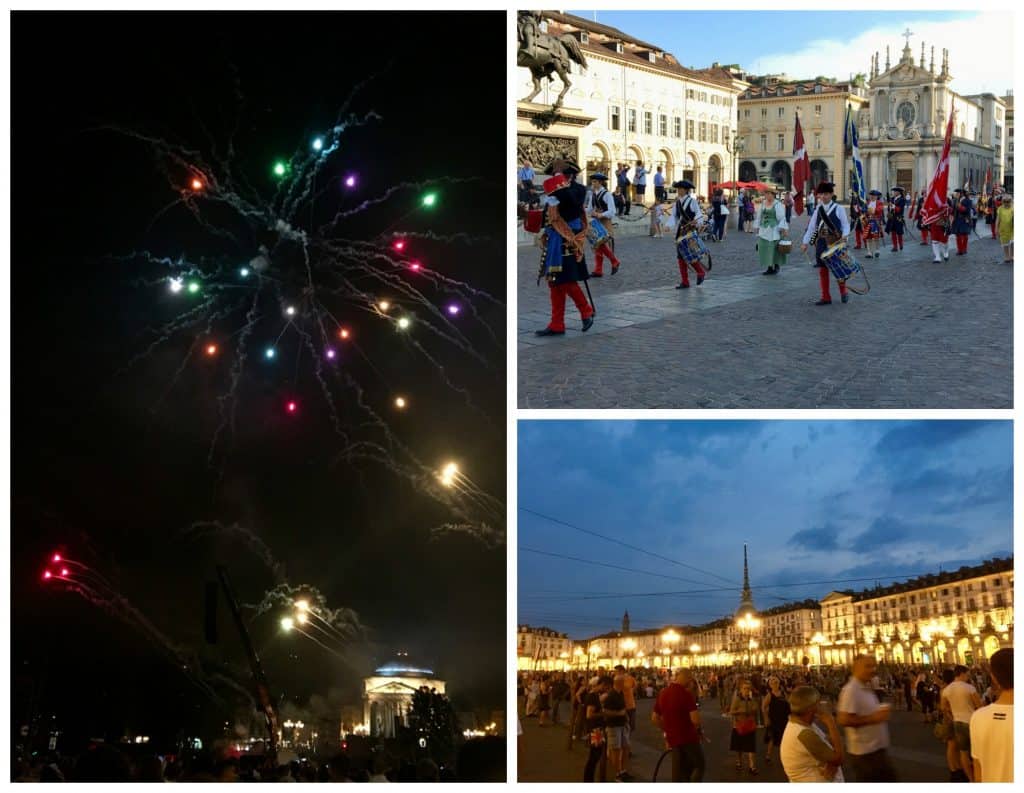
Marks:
<point>746,598</point>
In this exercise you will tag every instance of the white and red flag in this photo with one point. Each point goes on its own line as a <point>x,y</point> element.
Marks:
<point>801,168</point>
<point>935,202</point>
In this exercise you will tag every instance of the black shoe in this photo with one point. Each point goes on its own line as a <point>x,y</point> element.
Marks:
<point>549,332</point>
<point>588,323</point>
<point>615,269</point>
<point>597,275</point>
<point>769,271</point>
<point>845,298</point>
<point>819,303</point>
<point>683,286</point>
<point>700,280</point>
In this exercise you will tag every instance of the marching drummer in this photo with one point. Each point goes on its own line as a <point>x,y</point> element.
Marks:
<point>687,216</point>
<point>601,207</point>
<point>897,224</point>
<point>827,225</point>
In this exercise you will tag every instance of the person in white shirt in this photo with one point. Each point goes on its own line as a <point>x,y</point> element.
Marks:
<point>960,699</point>
<point>806,753</point>
<point>687,212</point>
<point>601,206</point>
<point>992,726</point>
<point>863,717</point>
<point>834,225</point>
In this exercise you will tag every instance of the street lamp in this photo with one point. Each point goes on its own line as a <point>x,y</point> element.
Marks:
<point>671,638</point>
<point>748,624</point>
<point>694,649</point>
<point>735,152</point>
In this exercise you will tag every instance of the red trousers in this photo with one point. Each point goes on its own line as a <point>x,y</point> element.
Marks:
<point>558,294</point>
<point>961,243</point>
<point>824,274</point>
<point>897,241</point>
<point>600,253</point>
<point>924,235</point>
<point>684,273</point>
<point>993,227</point>
<point>860,236</point>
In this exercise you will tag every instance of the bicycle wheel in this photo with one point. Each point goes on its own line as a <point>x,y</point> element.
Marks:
<point>663,768</point>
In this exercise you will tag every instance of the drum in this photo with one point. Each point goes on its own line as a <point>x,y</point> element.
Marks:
<point>690,248</point>
<point>839,260</point>
<point>785,247</point>
<point>534,220</point>
<point>597,234</point>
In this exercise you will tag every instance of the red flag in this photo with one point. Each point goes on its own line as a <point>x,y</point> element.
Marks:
<point>988,178</point>
<point>935,203</point>
<point>801,168</point>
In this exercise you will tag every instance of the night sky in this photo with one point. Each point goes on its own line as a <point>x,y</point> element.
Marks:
<point>817,502</point>
<point>112,463</point>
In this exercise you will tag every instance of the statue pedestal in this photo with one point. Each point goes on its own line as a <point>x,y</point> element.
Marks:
<point>560,137</point>
<point>544,116</point>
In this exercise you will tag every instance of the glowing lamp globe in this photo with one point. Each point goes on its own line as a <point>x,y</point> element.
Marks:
<point>318,143</point>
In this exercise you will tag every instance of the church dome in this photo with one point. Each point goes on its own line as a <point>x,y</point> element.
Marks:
<point>401,665</point>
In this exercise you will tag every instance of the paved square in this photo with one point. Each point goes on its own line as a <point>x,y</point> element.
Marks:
<point>927,336</point>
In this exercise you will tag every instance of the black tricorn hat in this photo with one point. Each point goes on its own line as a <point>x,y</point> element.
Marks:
<point>874,192</point>
<point>564,165</point>
<point>897,189</point>
<point>684,184</point>
<point>825,187</point>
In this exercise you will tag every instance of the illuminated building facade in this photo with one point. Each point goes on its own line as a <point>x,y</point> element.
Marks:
<point>542,649</point>
<point>387,695</point>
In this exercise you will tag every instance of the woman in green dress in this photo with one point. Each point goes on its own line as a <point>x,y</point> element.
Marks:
<point>771,225</point>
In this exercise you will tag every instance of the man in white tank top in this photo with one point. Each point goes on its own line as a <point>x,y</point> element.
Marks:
<point>807,755</point>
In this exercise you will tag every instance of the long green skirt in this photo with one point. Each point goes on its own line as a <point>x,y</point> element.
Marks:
<point>768,254</point>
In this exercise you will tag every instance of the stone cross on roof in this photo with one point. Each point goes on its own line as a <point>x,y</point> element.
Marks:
<point>907,34</point>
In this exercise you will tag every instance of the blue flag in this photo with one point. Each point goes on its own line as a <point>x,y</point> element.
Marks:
<point>850,139</point>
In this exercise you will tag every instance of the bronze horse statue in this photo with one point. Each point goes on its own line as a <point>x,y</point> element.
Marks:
<point>545,55</point>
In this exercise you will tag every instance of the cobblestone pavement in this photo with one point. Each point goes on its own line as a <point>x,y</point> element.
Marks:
<point>927,336</point>
<point>544,756</point>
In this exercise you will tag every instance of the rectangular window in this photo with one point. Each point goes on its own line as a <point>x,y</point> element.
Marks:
<point>746,113</point>
<point>703,96</point>
<point>690,93</point>
<point>703,131</point>
<point>782,112</point>
<point>817,110</point>
<point>689,129</point>
<point>764,112</point>
<point>725,133</point>
<point>648,123</point>
<point>764,143</point>
<point>615,122</point>
<point>663,125</point>
<point>782,142</point>
<point>817,140</point>
<point>677,127</point>
<point>714,133</point>
<point>631,120</point>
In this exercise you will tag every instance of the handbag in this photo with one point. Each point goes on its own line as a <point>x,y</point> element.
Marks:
<point>943,730</point>
<point>745,726</point>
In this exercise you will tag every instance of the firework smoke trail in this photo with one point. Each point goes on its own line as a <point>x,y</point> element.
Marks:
<point>118,606</point>
<point>235,531</point>
<point>343,622</point>
<point>490,537</point>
